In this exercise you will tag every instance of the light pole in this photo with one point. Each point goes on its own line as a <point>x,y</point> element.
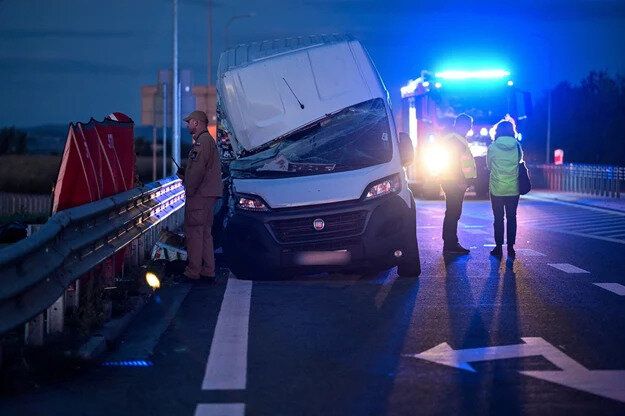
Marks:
<point>175,143</point>
<point>232,19</point>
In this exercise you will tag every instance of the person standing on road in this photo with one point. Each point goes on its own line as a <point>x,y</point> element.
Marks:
<point>461,168</point>
<point>203,186</point>
<point>503,158</point>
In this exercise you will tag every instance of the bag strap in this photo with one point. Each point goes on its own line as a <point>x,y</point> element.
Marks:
<point>518,149</point>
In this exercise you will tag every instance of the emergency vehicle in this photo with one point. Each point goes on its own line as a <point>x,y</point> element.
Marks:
<point>429,105</point>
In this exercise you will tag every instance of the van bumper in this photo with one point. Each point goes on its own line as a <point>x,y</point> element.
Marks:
<point>358,235</point>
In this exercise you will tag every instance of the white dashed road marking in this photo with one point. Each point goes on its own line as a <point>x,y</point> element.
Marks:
<point>226,368</point>
<point>567,268</point>
<point>617,288</point>
<point>220,409</point>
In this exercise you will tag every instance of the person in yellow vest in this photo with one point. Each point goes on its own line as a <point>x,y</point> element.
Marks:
<point>454,181</point>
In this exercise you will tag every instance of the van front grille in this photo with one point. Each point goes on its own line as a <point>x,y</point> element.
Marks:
<point>297,230</point>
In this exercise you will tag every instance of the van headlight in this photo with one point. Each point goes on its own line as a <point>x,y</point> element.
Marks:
<point>388,185</point>
<point>251,203</point>
<point>436,160</point>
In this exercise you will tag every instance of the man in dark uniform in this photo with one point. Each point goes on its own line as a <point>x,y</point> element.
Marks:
<point>203,186</point>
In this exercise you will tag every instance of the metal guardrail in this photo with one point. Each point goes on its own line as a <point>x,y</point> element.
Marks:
<point>36,271</point>
<point>11,203</point>
<point>600,180</point>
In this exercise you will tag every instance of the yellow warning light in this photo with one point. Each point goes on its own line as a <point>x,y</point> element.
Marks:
<point>152,280</point>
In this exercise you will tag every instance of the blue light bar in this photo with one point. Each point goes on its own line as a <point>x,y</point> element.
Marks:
<point>133,363</point>
<point>481,74</point>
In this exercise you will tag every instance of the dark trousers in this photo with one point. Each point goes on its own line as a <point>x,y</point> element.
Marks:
<point>454,194</point>
<point>198,223</point>
<point>509,204</point>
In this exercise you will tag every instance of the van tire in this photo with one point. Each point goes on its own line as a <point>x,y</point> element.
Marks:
<point>410,265</point>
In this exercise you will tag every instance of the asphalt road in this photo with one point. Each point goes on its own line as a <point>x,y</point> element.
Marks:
<point>540,334</point>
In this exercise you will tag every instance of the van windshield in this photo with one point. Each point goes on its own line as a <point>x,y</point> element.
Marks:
<point>352,138</point>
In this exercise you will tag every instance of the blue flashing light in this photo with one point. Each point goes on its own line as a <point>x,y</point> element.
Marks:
<point>129,363</point>
<point>438,85</point>
<point>481,74</point>
<point>510,83</point>
<point>426,84</point>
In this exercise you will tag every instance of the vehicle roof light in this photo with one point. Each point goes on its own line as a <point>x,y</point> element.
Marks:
<point>438,85</point>
<point>481,74</point>
<point>409,88</point>
<point>510,83</point>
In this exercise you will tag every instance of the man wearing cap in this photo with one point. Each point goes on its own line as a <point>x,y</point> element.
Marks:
<point>454,181</point>
<point>203,186</point>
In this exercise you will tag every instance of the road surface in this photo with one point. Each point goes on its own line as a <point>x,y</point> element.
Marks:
<point>541,334</point>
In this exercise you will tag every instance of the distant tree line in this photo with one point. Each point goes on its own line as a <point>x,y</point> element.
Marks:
<point>587,121</point>
<point>13,141</point>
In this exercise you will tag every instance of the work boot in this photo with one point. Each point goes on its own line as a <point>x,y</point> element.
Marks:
<point>511,252</point>
<point>455,249</point>
<point>497,251</point>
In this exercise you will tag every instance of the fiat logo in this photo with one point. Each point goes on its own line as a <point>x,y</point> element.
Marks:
<point>319,224</point>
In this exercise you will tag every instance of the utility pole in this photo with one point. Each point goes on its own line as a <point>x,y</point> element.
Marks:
<point>548,147</point>
<point>210,43</point>
<point>165,129</point>
<point>175,145</point>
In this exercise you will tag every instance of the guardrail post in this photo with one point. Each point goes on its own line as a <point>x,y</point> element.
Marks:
<point>55,316</point>
<point>72,295</point>
<point>33,331</point>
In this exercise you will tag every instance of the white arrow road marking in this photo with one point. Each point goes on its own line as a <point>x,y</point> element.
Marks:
<point>226,368</point>
<point>445,355</point>
<point>567,268</point>
<point>605,383</point>
<point>617,288</point>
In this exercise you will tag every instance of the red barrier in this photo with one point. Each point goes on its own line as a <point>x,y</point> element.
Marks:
<point>98,161</point>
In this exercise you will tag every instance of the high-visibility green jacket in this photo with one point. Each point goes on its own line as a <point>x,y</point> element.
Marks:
<point>503,158</point>
<point>461,163</point>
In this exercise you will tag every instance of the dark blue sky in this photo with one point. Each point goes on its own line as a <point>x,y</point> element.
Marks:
<point>68,60</point>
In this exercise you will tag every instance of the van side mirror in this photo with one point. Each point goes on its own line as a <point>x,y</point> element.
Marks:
<point>406,150</point>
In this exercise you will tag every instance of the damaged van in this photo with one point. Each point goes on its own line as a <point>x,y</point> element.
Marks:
<point>317,182</point>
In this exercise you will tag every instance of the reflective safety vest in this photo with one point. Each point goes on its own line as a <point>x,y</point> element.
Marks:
<point>467,163</point>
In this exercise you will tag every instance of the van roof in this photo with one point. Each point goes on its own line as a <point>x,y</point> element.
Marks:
<point>245,54</point>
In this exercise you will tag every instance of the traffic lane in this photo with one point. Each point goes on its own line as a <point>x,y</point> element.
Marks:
<point>328,344</point>
<point>552,289</point>
<point>170,386</point>
<point>476,301</point>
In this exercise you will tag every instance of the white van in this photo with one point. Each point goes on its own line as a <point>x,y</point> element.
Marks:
<point>318,182</point>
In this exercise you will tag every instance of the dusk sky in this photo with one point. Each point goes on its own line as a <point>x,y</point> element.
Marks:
<point>69,60</point>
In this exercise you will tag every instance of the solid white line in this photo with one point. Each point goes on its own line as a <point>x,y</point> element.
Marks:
<point>567,268</point>
<point>617,288</point>
<point>226,368</point>
<point>220,409</point>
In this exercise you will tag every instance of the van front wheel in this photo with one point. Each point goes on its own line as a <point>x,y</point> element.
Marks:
<point>410,265</point>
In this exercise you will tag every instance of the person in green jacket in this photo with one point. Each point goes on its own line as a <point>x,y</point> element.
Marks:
<point>503,158</point>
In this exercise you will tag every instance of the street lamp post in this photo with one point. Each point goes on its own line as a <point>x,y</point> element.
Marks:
<point>175,144</point>
<point>232,19</point>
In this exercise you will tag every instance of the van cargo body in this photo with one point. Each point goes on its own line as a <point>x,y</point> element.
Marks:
<point>318,182</point>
